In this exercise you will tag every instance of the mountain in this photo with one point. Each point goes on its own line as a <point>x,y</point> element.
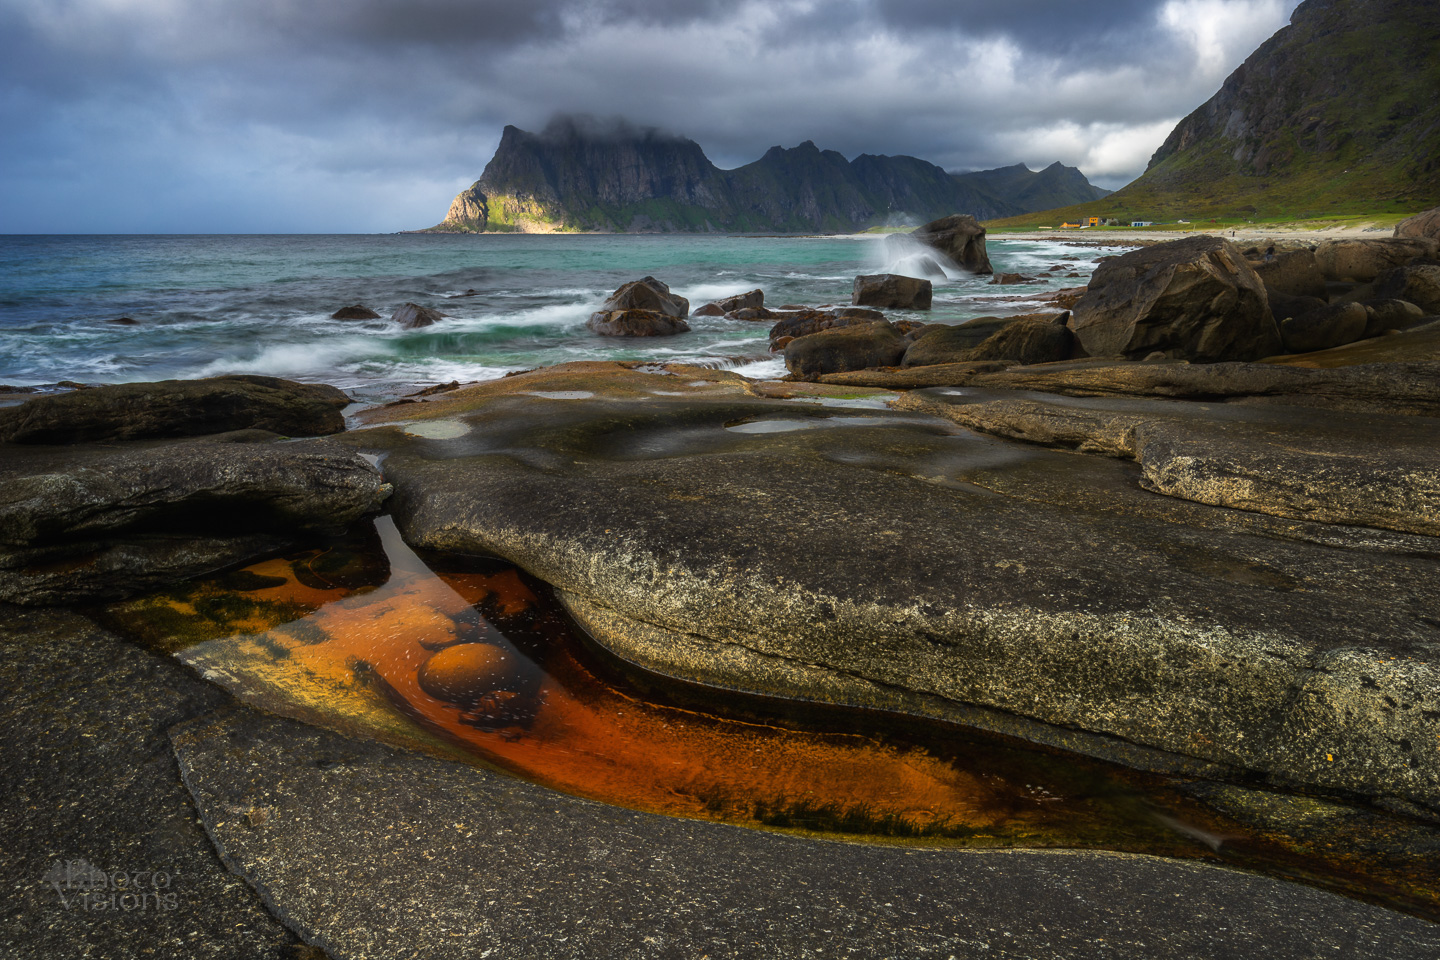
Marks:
<point>1338,112</point>
<point>1019,186</point>
<point>578,174</point>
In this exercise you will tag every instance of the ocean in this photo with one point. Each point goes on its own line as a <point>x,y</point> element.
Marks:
<point>209,305</point>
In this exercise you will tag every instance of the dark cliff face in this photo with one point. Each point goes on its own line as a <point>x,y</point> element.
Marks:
<point>565,166</point>
<point>1347,95</point>
<point>578,174</point>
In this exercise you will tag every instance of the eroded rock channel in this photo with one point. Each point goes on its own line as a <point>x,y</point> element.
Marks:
<point>1145,608</point>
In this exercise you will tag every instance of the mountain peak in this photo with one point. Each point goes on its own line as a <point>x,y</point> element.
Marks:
<point>1336,109</point>
<point>585,173</point>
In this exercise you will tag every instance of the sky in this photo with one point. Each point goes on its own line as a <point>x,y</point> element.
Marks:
<point>361,116</point>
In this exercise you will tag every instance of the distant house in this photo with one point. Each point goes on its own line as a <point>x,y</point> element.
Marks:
<point>1092,222</point>
<point>1069,226</point>
<point>1142,223</point>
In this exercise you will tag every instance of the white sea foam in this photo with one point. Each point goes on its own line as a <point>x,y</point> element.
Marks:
<point>772,369</point>
<point>293,359</point>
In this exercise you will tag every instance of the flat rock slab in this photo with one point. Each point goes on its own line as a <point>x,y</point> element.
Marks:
<point>176,408</point>
<point>904,552</point>
<point>91,521</point>
<point>89,780</point>
<point>1362,385</point>
<point>375,853</point>
<point>1372,471</point>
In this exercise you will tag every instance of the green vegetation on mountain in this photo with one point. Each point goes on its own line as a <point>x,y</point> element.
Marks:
<point>578,176</point>
<point>1055,186</point>
<point>1336,115</point>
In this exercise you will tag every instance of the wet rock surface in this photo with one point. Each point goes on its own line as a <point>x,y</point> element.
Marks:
<point>939,564</point>
<point>176,408</point>
<point>370,852</point>
<point>1372,471</point>
<point>1354,383</point>
<point>90,780</point>
<point>93,521</point>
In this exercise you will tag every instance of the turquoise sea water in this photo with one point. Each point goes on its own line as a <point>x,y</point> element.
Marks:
<point>206,305</point>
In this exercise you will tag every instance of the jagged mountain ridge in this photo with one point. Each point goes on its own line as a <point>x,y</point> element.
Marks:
<point>1338,112</point>
<point>576,175</point>
<point>1055,186</point>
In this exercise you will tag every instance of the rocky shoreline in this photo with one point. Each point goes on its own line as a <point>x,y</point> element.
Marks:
<point>1133,528</point>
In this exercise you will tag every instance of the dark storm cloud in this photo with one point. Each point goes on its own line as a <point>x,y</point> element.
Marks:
<point>1039,24</point>
<point>369,114</point>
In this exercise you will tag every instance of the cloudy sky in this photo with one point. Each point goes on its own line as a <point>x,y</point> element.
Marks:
<point>133,116</point>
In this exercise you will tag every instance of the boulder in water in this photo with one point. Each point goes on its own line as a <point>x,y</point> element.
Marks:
<point>741,301</point>
<point>960,237</point>
<point>356,311</point>
<point>646,294</point>
<point>412,315</point>
<point>892,291</point>
<point>635,323</point>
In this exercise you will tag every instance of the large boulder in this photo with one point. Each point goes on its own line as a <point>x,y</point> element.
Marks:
<point>945,343</point>
<point>90,522</point>
<point>1363,260</point>
<point>1027,342</point>
<point>412,316</point>
<point>874,343</point>
<point>1193,299</point>
<point>1424,225</point>
<point>1417,283</point>
<point>1033,338</point>
<point>891,291</point>
<point>1295,274</point>
<point>646,294</point>
<point>635,323</point>
<point>177,408</point>
<point>960,237</point>
<point>806,322</point>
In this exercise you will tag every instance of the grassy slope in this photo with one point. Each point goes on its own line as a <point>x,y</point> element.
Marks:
<point>1376,84</point>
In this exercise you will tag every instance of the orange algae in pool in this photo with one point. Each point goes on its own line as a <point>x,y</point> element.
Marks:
<point>480,660</point>
<point>471,655</point>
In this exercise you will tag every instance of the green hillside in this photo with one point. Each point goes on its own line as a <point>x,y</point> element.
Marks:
<point>1336,116</point>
